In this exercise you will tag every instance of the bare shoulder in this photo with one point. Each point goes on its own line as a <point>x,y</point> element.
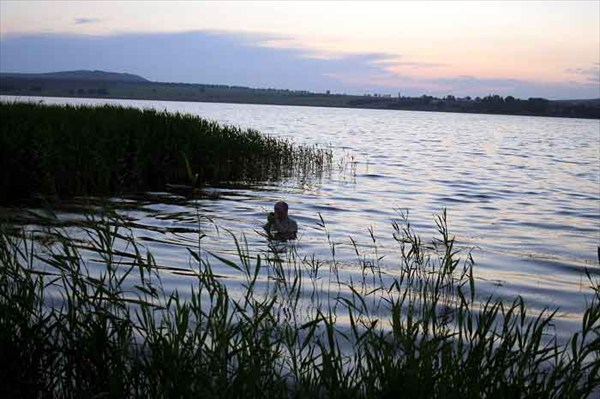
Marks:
<point>293,225</point>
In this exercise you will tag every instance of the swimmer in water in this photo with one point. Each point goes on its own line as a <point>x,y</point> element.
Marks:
<point>279,225</point>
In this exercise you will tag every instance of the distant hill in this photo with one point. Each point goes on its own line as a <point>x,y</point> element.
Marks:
<point>100,84</point>
<point>82,75</point>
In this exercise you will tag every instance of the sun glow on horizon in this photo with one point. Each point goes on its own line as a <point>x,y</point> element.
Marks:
<point>534,41</point>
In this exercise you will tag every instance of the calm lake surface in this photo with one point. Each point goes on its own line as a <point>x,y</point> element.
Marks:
<point>522,192</point>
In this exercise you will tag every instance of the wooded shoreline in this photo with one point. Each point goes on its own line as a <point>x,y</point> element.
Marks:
<point>141,89</point>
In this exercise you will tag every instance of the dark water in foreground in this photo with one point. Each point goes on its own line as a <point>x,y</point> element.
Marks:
<point>523,192</point>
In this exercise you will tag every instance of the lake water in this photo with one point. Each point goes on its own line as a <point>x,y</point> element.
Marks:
<point>523,192</point>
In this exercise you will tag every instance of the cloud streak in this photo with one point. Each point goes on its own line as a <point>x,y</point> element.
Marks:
<point>416,64</point>
<point>592,74</point>
<point>84,21</point>
<point>243,59</point>
<point>470,85</point>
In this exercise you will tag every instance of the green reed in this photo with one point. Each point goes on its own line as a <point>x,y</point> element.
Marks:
<point>63,151</point>
<point>72,328</point>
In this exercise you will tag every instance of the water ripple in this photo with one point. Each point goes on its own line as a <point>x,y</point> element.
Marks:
<point>524,191</point>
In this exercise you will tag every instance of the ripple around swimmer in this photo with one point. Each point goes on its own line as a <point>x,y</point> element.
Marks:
<point>580,213</point>
<point>556,227</point>
<point>327,208</point>
<point>354,199</point>
<point>468,184</point>
<point>455,200</point>
<point>490,208</point>
<point>374,176</point>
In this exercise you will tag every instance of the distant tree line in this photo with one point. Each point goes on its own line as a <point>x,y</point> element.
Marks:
<point>491,104</point>
<point>82,92</point>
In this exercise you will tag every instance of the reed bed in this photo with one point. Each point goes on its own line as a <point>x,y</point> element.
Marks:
<point>71,327</point>
<point>63,151</point>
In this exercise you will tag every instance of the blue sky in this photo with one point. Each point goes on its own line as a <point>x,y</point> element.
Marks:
<point>524,49</point>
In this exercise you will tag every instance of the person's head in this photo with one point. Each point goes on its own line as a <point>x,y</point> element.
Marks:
<point>281,210</point>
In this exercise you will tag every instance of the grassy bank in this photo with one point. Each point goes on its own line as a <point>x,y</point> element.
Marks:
<point>62,151</point>
<point>73,327</point>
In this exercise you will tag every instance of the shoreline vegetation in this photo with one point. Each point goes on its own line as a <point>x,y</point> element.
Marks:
<point>98,84</point>
<point>84,312</point>
<point>72,326</point>
<point>64,151</point>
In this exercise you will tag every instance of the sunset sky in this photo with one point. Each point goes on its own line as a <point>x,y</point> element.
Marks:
<point>526,49</point>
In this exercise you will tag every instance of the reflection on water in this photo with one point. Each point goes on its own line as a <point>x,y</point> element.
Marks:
<point>522,191</point>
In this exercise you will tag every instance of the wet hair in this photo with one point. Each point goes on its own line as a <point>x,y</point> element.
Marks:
<point>281,207</point>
